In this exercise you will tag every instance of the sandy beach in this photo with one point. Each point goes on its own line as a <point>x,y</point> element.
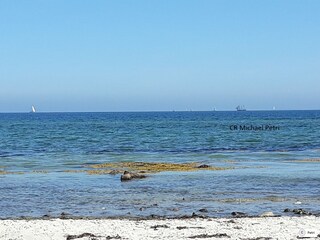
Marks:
<point>196,228</point>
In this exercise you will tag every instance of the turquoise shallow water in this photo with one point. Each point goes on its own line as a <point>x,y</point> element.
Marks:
<point>264,177</point>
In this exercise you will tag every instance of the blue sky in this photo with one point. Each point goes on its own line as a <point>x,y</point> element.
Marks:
<point>137,55</point>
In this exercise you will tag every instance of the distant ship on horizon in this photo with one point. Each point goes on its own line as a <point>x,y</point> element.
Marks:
<point>33,109</point>
<point>241,108</point>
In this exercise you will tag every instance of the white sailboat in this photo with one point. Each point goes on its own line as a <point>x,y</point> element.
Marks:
<point>33,110</point>
<point>241,108</point>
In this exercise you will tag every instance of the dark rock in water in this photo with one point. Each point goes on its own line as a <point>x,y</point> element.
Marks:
<point>142,209</point>
<point>126,176</point>
<point>301,212</point>
<point>298,211</point>
<point>238,214</point>
<point>46,216</point>
<point>203,166</point>
<point>203,210</point>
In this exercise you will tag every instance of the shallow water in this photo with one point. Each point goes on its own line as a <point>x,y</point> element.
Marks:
<point>264,174</point>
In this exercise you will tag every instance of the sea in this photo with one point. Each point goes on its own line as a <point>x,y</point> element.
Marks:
<point>271,160</point>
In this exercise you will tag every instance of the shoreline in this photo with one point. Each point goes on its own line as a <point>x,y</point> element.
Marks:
<point>249,228</point>
<point>298,212</point>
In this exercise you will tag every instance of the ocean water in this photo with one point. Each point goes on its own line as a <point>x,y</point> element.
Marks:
<point>41,153</point>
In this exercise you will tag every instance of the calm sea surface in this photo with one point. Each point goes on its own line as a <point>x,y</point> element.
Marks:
<point>266,174</point>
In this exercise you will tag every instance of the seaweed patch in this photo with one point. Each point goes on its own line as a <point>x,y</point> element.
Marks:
<point>154,167</point>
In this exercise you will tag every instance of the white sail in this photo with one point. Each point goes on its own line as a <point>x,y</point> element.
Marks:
<point>33,109</point>
<point>241,108</point>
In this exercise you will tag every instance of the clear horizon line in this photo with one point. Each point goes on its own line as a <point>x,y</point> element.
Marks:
<point>137,111</point>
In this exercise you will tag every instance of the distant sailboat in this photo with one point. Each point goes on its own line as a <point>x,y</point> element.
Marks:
<point>241,108</point>
<point>33,110</point>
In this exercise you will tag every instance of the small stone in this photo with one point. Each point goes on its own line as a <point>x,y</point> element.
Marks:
<point>287,210</point>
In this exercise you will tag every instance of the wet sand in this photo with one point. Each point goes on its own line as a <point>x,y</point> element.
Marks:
<point>252,228</point>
